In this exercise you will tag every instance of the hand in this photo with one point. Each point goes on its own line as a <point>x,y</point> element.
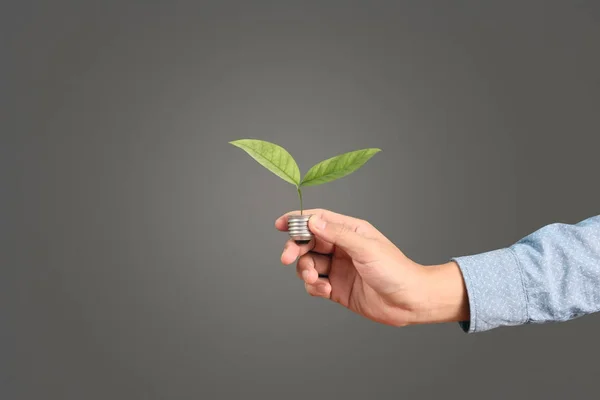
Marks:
<point>365,272</point>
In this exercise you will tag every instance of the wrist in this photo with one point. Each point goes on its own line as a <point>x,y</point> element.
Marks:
<point>443,296</point>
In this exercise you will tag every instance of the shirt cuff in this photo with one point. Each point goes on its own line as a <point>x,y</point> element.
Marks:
<point>494,283</point>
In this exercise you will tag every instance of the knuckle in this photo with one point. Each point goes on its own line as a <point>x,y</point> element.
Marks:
<point>307,288</point>
<point>367,224</point>
<point>342,230</point>
<point>363,226</point>
<point>316,211</point>
<point>305,261</point>
<point>368,230</point>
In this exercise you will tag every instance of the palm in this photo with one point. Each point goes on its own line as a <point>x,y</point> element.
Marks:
<point>353,292</point>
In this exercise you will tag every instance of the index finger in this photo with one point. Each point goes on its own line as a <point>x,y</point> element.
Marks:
<point>293,251</point>
<point>282,222</point>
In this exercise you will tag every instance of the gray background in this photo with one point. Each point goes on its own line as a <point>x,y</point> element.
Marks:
<point>139,258</point>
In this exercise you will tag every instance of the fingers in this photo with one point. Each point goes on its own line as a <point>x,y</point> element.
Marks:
<point>321,244</point>
<point>356,237</point>
<point>311,265</point>
<point>292,250</point>
<point>322,288</point>
<point>281,222</point>
<point>345,236</point>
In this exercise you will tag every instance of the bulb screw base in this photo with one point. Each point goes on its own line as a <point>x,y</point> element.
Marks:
<point>298,228</point>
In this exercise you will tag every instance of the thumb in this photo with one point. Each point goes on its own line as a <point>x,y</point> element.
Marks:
<point>341,235</point>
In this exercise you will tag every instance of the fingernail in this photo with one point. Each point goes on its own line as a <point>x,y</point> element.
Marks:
<point>323,289</point>
<point>305,274</point>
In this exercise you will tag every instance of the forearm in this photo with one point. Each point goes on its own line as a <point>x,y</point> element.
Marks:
<point>549,276</point>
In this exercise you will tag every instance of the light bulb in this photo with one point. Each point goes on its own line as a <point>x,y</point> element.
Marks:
<point>298,228</point>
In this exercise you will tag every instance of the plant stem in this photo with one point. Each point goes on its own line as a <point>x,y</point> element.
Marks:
<point>300,196</point>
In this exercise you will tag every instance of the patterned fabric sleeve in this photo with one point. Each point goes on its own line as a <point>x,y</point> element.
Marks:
<point>551,275</point>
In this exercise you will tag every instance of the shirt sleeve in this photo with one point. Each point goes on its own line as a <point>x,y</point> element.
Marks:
<point>552,275</point>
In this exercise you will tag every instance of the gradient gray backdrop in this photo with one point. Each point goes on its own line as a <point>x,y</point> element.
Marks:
<point>139,258</point>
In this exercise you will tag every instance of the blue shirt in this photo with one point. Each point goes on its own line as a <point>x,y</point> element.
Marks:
<point>551,275</point>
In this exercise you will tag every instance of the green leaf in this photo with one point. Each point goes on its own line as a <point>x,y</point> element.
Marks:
<point>337,167</point>
<point>273,157</point>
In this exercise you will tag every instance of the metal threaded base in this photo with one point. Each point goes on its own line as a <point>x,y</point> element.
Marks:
<point>298,228</point>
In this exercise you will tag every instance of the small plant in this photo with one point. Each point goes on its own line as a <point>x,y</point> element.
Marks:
<point>277,160</point>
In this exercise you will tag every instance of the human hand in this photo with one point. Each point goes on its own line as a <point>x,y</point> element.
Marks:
<point>350,262</point>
